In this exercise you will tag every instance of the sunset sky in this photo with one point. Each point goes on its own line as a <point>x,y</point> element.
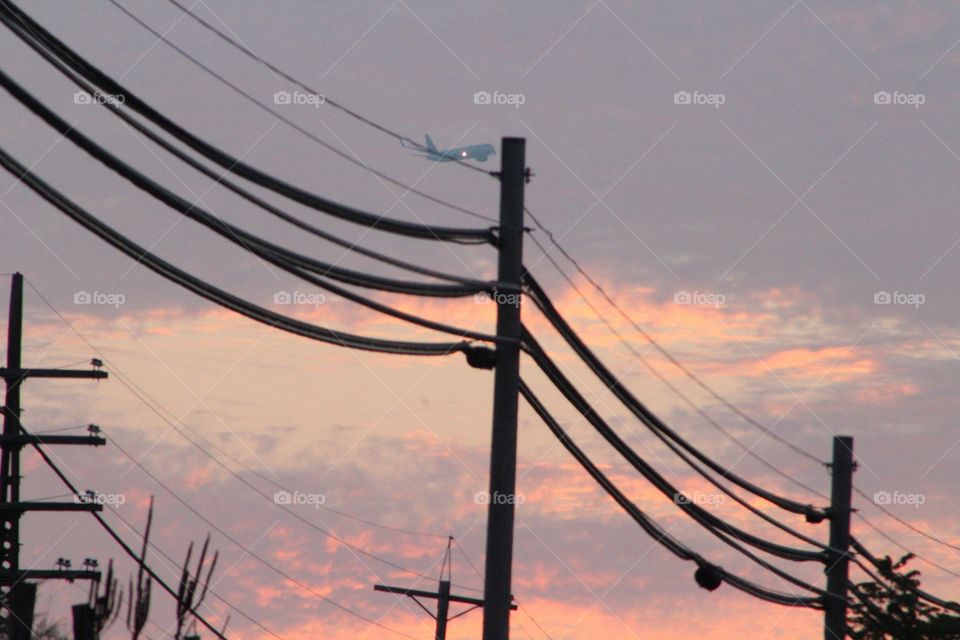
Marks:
<point>790,236</point>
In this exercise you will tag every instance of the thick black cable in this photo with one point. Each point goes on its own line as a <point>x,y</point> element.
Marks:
<point>863,551</point>
<point>646,416</point>
<point>327,100</point>
<point>473,285</point>
<point>210,292</point>
<point>289,261</point>
<point>265,249</point>
<point>654,343</point>
<point>24,26</point>
<point>666,381</point>
<point>648,524</point>
<point>709,521</point>
<point>279,116</point>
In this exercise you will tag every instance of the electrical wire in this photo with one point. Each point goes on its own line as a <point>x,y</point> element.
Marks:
<point>155,407</point>
<point>116,537</point>
<point>279,116</point>
<point>327,100</point>
<point>253,554</point>
<point>666,381</point>
<point>214,294</point>
<point>25,27</point>
<point>289,261</point>
<point>658,533</point>
<point>221,179</point>
<point>689,374</point>
<point>700,515</point>
<point>657,426</point>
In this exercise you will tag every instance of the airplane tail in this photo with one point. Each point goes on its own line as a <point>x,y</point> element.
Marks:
<point>430,144</point>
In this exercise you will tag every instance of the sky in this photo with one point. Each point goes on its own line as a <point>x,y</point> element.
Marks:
<point>766,188</point>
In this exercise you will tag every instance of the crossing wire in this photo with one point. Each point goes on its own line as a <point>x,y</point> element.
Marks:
<point>276,114</point>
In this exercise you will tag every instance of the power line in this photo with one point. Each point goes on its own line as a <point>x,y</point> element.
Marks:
<point>25,28</point>
<point>673,388</point>
<point>327,100</point>
<point>221,179</point>
<point>657,532</point>
<point>154,406</point>
<point>126,548</point>
<point>693,377</point>
<point>208,291</point>
<point>248,551</point>
<point>276,114</point>
<point>654,343</point>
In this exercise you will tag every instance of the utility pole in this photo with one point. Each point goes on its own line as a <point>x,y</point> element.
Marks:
<point>19,595</point>
<point>835,604</point>
<point>442,596</point>
<point>506,392</point>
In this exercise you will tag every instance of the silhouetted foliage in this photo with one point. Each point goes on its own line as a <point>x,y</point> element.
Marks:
<point>892,609</point>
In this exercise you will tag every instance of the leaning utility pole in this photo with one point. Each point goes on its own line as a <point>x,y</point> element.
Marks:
<point>18,594</point>
<point>835,604</point>
<point>506,393</point>
<point>442,595</point>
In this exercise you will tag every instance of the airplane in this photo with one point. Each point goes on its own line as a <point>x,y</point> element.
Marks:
<point>478,152</point>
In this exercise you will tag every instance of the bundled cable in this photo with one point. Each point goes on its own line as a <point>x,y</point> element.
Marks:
<point>471,285</point>
<point>696,512</point>
<point>210,292</point>
<point>649,525</point>
<point>657,426</point>
<point>25,27</point>
<point>290,261</point>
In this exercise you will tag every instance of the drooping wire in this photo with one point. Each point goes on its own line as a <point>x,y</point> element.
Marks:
<point>155,407</point>
<point>709,521</point>
<point>256,556</point>
<point>208,291</point>
<point>327,100</point>
<point>654,530</point>
<point>907,524</point>
<point>666,381</point>
<point>276,114</point>
<point>609,299</point>
<point>221,179</point>
<point>116,537</point>
<point>289,261</point>
<point>25,27</point>
<point>647,417</point>
<point>655,344</point>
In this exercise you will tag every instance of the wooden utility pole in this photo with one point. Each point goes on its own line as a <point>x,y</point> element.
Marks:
<point>19,595</point>
<point>506,393</point>
<point>442,596</point>
<point>835,604</point>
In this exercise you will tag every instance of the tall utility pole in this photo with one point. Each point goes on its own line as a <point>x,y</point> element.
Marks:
<point>19,594</point>
<point>442,595</point>
<point>835,605</point>
<point>506,392</point>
